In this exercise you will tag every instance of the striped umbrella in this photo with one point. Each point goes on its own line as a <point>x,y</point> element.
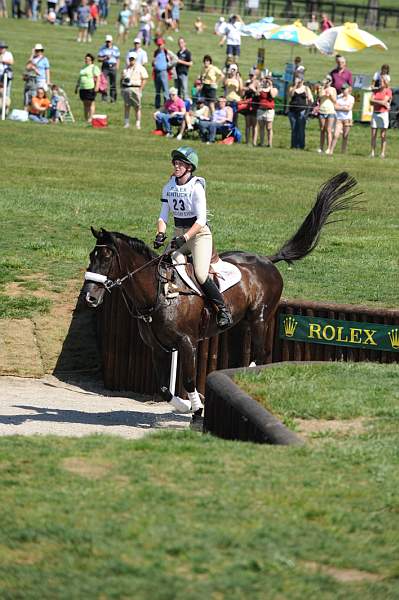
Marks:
<point>347,38</point>
<point>296,33</point>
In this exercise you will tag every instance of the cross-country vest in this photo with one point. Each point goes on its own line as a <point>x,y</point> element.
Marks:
<point>181,202</point>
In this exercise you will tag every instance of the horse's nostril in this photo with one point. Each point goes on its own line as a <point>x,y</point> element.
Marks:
<point>91,299</point>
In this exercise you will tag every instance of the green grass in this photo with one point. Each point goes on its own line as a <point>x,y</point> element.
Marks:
<point>338,390</point>
<point>60,180</point>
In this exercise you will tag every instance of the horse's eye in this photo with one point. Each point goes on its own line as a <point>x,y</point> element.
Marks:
<point>107,253</point>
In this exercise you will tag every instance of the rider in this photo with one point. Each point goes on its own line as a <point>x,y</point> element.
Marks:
<point>184,195</point>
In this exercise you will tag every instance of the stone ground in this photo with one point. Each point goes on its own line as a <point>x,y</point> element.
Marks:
<point>50,406</point>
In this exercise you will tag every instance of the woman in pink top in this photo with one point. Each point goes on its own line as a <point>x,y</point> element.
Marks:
<point>381,103</point>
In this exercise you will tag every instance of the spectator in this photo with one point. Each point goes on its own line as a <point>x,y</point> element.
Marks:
<point>175,14</point>
<point>221,122</point>
<point>198,25</point>
<point>41,66</point>
<point>103,10</point>
<point>232,36</point>
<point>376,81</point>
<point>83,16</point>
<point>4,98</point>
<point>134,78</point>
<point>141,54</point>
<point>16,9</point>
<point>39,106</point>
<point>381,102</point>
<point>343,107</point>
<point>233,88</point>
<point>134,6</point>
<point>29,78</point>
<point>87,85</point>
<point>265,113</point>
<point>250,91</point>
<point>325,22</point>
<point>109,56</point>
<point>172,113</point>
<point>146,25</point>
<point>299,69</point>
<point>219,26</point>
<point>183,64</point>
<point>3,9</point>
<point>340,74</point>
<point>94,16</point>
<point>300,98</point>
<point>6,64</point>
<point>193,117</point>
<point>54,113</point>
<point>160,65</point>
<point>327,116</point>
<point>124,17</point>
<point>196,91</point>
<point>314,26</point>
<point>51,6</point>
<point>210,77</point>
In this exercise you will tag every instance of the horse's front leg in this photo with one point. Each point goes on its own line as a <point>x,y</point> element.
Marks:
<point>187,353</point>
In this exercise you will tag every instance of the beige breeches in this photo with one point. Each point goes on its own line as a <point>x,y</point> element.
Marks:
<point>200,247</point>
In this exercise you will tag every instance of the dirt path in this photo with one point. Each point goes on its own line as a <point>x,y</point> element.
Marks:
<point>48,406</point>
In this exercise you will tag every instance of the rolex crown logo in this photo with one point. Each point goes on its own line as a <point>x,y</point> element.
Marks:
<point>290,324</point>
<point>394,338</point>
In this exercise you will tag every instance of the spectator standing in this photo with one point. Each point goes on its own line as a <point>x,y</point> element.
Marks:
<point>300,98</point>
<point>199,25</point>
<point>376,81</point>
<point>41,66</point>
<point>341,74</point>
<point>265,113</point>
<point>160,64</point>
<point>327,115</point>
<point>232,36</point>
<point>210,77</point>
<point>141,54</point>
<point>381,102</point>
<point>146,25</point>
<point>183,64</point>
<point>39,106</point>
<point>94,16</point>
<point>109,56</point>
<point>124,17</point>
<point>251,89</point>
<point>221,122</point>
<point>299,69</point>
<point>83,17</point>
<point>172,113</point>
<point>87,86</point>
<point>314,26</point>
<point>103,10</point>
<point>233,88</point>
<point>29,78</point>
<point>325,22</point>
<point>134,78</point>
<point>3,9</point>
<point>6,64</point>
<point>176,5</point>
<point>344,122</point>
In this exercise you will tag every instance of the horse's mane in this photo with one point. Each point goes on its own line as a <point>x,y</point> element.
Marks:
<point>135,244</point>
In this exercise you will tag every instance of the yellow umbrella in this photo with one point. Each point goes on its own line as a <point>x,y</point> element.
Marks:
<point>347,38</point>
<point>296,33</point>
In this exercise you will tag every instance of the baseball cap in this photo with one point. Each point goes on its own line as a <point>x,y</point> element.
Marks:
<point>172,90</point>
<point>137,40</point>
<point>38,47</point>
<point>132,55</point>
<point>233,67</point>
<point>108,38</point>
<point>159,41</point>
<point>3,44</point>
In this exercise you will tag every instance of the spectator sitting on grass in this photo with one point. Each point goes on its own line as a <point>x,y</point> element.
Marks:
<point>39,107</point>
<point>172,113</point>
<point>222,122</point>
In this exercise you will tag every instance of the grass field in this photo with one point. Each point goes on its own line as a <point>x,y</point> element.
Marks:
<point>187,517</point>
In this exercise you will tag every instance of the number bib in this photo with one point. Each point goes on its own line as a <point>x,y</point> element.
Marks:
<point>180,198</point>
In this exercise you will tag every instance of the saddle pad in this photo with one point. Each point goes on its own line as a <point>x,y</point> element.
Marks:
<point>227,273</point>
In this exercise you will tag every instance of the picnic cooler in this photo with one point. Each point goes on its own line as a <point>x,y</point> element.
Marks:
<point>99,121</point>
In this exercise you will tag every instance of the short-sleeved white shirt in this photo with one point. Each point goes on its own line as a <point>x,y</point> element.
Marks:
<point>232,33</point>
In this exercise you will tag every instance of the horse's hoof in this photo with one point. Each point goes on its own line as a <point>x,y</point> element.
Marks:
<point>180,405</point>
<point>197,423</point>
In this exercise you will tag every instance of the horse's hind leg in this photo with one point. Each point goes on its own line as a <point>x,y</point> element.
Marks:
<point>259,324</point>
<point>187,352</point>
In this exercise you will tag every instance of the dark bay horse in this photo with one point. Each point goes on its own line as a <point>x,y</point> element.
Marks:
<point>179,323</point>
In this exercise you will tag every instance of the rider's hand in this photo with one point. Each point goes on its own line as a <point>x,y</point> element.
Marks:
<point>159,240</point>
<point>178,242</point>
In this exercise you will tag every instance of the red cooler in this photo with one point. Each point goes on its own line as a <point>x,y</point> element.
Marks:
<point>99,121</point>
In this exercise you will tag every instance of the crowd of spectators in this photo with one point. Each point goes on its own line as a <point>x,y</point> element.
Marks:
<point>219,94</point>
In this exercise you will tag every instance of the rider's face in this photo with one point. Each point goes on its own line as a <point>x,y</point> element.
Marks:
<point>180,168</point>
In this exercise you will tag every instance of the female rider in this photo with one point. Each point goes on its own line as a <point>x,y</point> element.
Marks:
<point>184,195</point>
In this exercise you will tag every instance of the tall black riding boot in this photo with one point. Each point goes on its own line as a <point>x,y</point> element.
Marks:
<point>223,317</point>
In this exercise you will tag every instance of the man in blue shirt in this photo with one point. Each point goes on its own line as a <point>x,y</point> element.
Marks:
<point>108,56</point>
<point>41,66</point>
<point>160,66</point>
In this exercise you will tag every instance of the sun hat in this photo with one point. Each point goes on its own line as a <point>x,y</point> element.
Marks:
<point>137,40</point>
<point>132,55</point>
<point>3,44</point>
<point>108,38</point>
<point>38,47</point>
<point>172,90</point>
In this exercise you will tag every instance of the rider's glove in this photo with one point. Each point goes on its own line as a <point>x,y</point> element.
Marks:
<point>159,240</point>
<point>178,242</point>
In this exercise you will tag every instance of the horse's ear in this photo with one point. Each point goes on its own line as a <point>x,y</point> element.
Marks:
<point>95,233</point>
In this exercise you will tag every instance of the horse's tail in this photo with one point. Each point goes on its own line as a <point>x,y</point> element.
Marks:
<point>332,197</point>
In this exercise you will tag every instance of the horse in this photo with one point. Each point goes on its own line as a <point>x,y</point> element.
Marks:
<point>165,324</point>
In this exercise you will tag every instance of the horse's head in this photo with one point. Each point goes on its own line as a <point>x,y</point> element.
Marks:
<point>103,265</point>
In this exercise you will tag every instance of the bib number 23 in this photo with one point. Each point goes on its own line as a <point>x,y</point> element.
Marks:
<point>178,204</point>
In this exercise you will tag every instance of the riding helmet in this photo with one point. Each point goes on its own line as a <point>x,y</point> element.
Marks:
<point>186,154</point>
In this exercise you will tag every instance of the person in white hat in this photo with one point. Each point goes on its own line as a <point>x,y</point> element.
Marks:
<point>133,80</point>
<point>40,64</point>
<point>6,63</point>
<point>109,56</point>
<point>141,54</point>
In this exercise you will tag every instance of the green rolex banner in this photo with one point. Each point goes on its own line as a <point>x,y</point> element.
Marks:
<point>370,336</point>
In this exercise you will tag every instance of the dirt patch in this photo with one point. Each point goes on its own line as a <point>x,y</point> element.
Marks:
<point>87,468</point>
<point>30,553</point>
<point>343,575</point>
<point>19,352</point>
<point>341,426</point>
